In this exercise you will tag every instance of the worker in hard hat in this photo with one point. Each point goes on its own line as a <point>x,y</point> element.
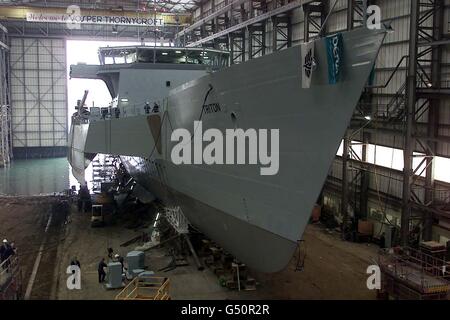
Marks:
<point>6,251</point>
<point>119,258</point>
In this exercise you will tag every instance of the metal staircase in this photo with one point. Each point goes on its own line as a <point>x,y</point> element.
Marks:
<point>103,171</point>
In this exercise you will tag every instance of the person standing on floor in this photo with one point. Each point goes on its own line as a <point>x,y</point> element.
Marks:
<point>75,262</point>
<point>6,250</point>
<point>101,271</point>
<point>120,259</point>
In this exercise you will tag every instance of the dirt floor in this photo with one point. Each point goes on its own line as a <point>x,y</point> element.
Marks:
<point>333,269</point>
<point>26,222</point>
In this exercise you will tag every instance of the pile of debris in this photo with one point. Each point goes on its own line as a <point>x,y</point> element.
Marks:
<point>231,273</point>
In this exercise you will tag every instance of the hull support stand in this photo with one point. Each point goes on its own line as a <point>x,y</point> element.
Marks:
<point>180,223</point>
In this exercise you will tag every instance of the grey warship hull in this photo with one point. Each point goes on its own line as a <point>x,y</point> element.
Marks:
<point>257,218</point>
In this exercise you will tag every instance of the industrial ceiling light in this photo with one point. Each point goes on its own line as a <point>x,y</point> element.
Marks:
<point>164,53</point>
<point>368,118</point>
<point>178,51</point>
<point>114,29</point>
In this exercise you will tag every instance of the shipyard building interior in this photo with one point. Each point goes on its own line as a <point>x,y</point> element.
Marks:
<point>383,209</point>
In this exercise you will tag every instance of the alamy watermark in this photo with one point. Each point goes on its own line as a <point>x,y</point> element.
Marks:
<point>74,280</point>
<point>374,280</point>
<point>373,17</point>
<point>74,14</point>
<point>228,149</point>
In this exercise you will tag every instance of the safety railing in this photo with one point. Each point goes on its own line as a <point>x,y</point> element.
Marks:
<point>9,276</point>
<point>421,271</point>
<point>126,110</point>
<point>146,288</point>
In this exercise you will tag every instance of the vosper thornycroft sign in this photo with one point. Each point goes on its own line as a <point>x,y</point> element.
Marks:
<point>95,19</point>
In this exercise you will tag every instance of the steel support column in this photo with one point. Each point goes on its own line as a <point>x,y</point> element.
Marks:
<point>409,130</point>
<point>365,179</point>
<point>356,13</point>
<point>237,46</point>
<point>256,41</point>
<point>281,33</point>
<point>433,113</point>
<point>345,185</point>
<point>315,15</point>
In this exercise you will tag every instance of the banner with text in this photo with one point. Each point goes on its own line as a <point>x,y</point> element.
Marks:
<point>95,19</point>
<point>335,53</point>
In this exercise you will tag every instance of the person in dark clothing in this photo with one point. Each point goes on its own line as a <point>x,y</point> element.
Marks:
<point>147,108</point>
<point>6,250</point>
<point>75,262</point>
<point>84,198</point>
<point>110,253</point>
<point>101,271</point>
<point>120,259</point>
<point>155,108</point>
<point>3,251</point>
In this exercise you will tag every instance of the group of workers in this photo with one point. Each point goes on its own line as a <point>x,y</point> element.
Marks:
<point>106,112</point>
<point>102,265</point>
<point>147,108</point>
<point>6,251</point>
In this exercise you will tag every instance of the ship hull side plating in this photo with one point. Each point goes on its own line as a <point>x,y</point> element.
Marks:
<point>235,235</point>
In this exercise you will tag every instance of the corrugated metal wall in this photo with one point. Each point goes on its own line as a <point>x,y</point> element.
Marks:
<point>38,97</point>
<point>382,181</point>
<point>396,45</point>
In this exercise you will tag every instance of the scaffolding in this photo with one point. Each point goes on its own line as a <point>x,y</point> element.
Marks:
<point>177,219</point>
<point>411,274</point>
<point>103,171</point>
<point>423,90</point>
<point>146,288</point>
<point>415,99</point>
<point>5,117</point>
<point>240,26</point>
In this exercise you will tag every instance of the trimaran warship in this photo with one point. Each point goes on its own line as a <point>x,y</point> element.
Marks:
<point>308,92</point>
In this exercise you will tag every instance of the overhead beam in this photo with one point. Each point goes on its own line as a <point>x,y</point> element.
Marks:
<point>262,17</point>
<point>19,13</point>
<point>213,15</point>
